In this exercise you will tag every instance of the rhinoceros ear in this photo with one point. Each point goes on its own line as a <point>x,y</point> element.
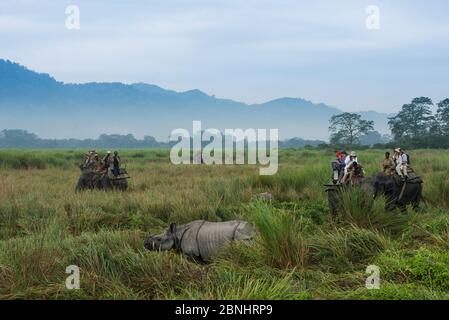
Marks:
<point>172,228</point>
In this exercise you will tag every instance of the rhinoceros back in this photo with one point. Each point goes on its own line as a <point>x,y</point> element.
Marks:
<point>211,237</point>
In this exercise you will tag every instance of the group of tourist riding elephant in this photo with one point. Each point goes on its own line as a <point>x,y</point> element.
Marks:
<point>398,183</point>
<point>102,174</point>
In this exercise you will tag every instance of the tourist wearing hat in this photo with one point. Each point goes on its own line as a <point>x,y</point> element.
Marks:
<point>401,161</point>
<point>350,159</point>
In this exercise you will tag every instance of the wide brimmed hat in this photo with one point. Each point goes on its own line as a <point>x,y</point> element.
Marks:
<point>353,154</point>
<point>397,150</point>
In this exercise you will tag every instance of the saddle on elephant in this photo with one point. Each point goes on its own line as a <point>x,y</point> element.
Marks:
<point>412,177</point>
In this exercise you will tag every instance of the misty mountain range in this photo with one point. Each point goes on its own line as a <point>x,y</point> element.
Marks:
<point>38,103</point>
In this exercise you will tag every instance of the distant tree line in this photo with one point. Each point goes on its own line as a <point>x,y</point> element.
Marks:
<point>22,139</point>
<point>26,140</point>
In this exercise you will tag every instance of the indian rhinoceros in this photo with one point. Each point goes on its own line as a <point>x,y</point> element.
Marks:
<point>200,239</point>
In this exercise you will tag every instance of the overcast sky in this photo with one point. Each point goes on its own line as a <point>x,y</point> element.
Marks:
<point>247,50</point>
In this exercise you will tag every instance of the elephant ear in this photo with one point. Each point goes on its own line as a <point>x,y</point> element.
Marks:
<point>172,228</point>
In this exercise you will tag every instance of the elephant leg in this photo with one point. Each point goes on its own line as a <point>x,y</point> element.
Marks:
<point>80,185</point>
<point>84,183</point>
<point>93,183</point>
<point>390,204</point>
<point>412,197</point>
<point>98,183</point>
<point>333,212</point>
<point>333,202</point>
<point>416,202</point>
<point>106,183</point>
<point>418,199</point>
<point>123,185</point>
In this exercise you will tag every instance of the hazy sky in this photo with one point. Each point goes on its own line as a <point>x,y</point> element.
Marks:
<point>247,50</point>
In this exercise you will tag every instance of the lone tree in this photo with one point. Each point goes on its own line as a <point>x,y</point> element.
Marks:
<point>443,116</point>
<point>347,128</point>
<point>414,120</point>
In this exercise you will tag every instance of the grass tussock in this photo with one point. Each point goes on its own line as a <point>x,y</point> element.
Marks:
<point>340,250</point>
<point>360,209</point>
<point>281,236</point>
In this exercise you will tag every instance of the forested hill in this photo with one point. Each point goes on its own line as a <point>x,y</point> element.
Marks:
<point>38,103</point>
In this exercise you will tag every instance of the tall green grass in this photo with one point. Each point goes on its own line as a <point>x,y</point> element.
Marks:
<point>282,236</point>
<point>360,209</point>
<point>299,251</point>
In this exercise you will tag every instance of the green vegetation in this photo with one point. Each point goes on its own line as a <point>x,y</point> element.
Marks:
<point>414,126</point>
<point>299,252</point>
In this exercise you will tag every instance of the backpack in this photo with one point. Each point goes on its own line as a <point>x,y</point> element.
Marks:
<point>408,159</point>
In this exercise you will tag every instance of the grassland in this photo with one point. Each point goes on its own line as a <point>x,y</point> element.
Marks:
<point>300,252</point>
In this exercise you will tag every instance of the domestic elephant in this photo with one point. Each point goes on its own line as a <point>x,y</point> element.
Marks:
<point>91,179</point>
<point>397,193</point>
